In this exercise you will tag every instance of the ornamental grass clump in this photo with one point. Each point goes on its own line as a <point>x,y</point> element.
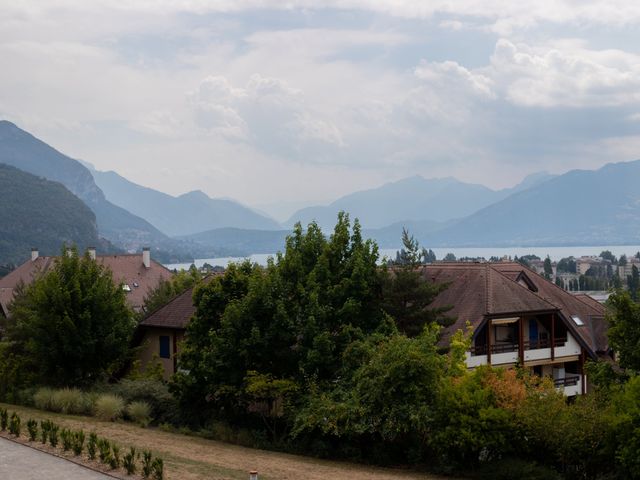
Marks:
<point>109,407</point>
<point>68,400</point>
<point>45,428</point>
<point>139,412</point>
<point>43,399</point>
<point>114,461</point>
<point>104,450</point>
<point>158,469</point>
<point>32,428</point>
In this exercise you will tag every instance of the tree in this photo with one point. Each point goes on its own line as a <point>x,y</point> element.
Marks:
<point>624,329</point>
<point>449,257</point>
<point>407,294</point>
<point>548,269</point>
<point>72,326</point>
<point>607,255</point>
<point>622,261</point>
<point>567,265</point>
<point>633,282</point>
<point>166,290</point>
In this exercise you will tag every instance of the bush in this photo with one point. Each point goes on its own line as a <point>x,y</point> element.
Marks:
<point>139,412</point>
<point>67,439</point>
<point>510,468</point>
<point>114,461</point>
<point>45,428</point>
<point>14,425</point>
<point>43,399</point>
<point>109,407</point>
<point>104,450</point>
<point>92,445</point>
<point>78,442</point>
<point>53,435</point>
<point>164,408</point>
<point>32,428</point>
<point>68,400</point>
<point>4,419</point>
<point>129,461</point>
<point>147,467</point>
<point>158,469</point>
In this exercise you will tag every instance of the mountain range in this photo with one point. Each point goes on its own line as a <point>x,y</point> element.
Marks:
<point>584,207</point>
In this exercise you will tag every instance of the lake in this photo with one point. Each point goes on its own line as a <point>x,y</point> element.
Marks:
<point>556,253</point>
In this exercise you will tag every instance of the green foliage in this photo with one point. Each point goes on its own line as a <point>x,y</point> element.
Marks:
<point>78,442</point>
<point>129,461</point>
<point>92,445</point>
<point>624,329</point>
<point>166,290</point>
<point>567,265</point>
<point>45,429</point>
<point>69,400</point>
<point>548,269</point>
<point>32,428</point>
<point>114,460</point>
<point>164,407</point>
<point>43,399</point>
<point>53,434</point>
<point>158,469</point>
<point>139,412</point>
<point>109,407</point>
<point>104,450</point>
<point>147,466</point>
<point>514,468</point>
<point>4,419</point>
<point>72,325</point>
<point>153,370</point>
<point>15,424</point>
<point>66,436</point>
<point>407,294</point>
<point>291,320</point>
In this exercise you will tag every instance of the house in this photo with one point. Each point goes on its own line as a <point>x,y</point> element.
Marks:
<point>159,335</point>
<point>518,317</point>
<point>138,274</point>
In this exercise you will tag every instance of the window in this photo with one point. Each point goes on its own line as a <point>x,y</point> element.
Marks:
<point>164,346</point>
<point>577,320</point>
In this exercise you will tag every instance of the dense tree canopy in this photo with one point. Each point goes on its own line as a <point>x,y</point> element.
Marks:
<point>71,326</point>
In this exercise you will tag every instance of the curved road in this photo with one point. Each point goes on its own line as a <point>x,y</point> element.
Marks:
<point>18,462</point>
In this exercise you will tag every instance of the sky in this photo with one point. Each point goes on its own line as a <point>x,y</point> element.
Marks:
<point>280,104</point>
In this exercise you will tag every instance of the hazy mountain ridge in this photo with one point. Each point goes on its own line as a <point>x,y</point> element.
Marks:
<point>583,207</point>
<point>40,213</point>
<point>189,213</point>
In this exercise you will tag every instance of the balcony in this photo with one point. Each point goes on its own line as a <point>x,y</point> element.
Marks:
<point>570,385</point>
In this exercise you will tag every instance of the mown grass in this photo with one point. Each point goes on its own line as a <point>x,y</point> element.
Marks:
<point>195,458</point>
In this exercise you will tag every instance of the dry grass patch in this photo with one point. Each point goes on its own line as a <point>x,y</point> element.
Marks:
<point>193,458</point>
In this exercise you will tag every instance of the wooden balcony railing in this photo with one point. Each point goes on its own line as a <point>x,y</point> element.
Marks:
<point>513,347</point>
<point>567,381</point>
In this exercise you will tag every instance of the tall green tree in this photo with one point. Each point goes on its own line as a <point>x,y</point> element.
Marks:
<point>624,329</point>
<point>408,293</point>
<point>71,326</point>
<point>548,269</point>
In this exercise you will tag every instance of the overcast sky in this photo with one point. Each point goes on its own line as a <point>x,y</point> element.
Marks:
<point>268,105</point>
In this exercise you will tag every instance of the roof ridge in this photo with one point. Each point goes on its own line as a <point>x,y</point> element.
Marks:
<point>555,307</point>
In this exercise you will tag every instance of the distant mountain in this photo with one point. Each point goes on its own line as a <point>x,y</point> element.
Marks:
<point>239,242</point>
<point>39,213</point>
<point>413,199</point>
<point>24,151</point>
<point>581,207</point>
<point>189,213</point>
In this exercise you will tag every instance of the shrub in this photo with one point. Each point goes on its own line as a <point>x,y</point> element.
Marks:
<point>109,407</point>
<point>43,399</point>
<point>129,461</point>
<point>45,427</point>
<point>510,468</point>
<point>53,435</point>
<point>104,450</point>
<point>78,442</point>
<point>14,425</point>
<point>68,400</point>
<point>32,428</point>
<point>158,469</point>
<point>147,467</point>
<point>164,408</point>
<point>4,419</point>
<point>139,412</point>
<point>114,461</point>
<point>92,445</point>
<point>67,439</point>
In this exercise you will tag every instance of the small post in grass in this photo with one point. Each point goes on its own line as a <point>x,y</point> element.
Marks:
<point>253,475</point>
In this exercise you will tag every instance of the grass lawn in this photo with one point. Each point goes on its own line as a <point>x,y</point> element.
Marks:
<point>196,458</point>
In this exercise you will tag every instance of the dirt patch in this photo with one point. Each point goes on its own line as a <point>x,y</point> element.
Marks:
<point>193,458</point>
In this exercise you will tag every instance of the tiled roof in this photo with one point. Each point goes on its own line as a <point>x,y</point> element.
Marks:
<point>126,269</point>
<point>175,314</point>
<point>477,291</point>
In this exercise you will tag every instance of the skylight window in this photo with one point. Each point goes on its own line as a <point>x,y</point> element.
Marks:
<point>577,320</point>
<point>126,288</point>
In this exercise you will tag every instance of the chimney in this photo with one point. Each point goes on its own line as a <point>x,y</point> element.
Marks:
<point>92,252</point>
<point>146,257</point>
<point>34,254</point>
<point>69,252</point>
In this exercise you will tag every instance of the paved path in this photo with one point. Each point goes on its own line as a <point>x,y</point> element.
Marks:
<point>18,462</point>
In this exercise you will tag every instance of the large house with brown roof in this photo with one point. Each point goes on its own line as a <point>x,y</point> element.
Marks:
<point>138,274</point>
<point>519,318</point>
